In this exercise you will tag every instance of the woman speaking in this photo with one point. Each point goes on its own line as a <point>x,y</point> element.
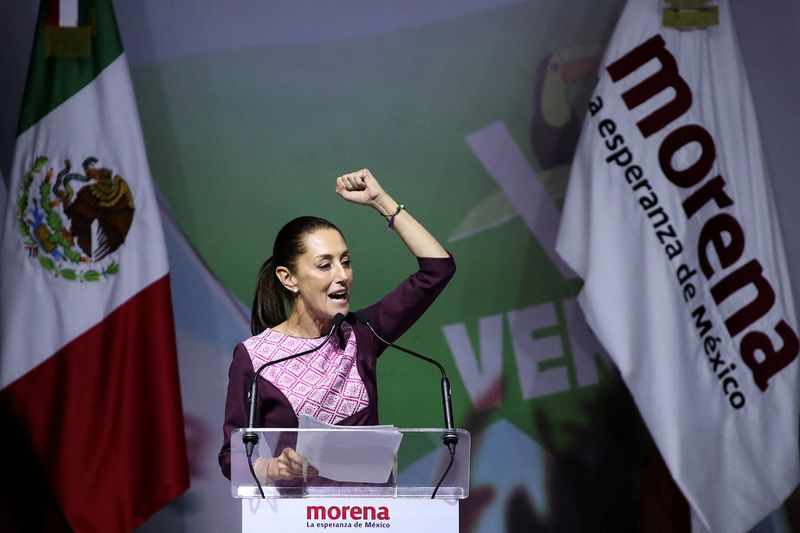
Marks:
<point>311,269</point>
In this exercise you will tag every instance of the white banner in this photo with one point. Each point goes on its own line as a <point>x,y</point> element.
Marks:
<point>669,219</point>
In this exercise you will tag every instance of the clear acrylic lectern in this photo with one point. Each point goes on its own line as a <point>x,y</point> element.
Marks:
<point>378,477</point>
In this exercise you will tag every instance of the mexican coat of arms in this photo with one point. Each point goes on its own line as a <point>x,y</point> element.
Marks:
<point>73,222</point>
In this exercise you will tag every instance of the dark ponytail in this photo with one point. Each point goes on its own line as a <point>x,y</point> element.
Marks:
<point>268,309</point>
<point>268,303</point>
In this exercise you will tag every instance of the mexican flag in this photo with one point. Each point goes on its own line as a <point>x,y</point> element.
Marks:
<point>669,219</point>
<point>89,391</point>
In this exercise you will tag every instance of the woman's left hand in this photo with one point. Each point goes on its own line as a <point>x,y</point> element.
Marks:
<point>362,188</point>
<point>359,187</point>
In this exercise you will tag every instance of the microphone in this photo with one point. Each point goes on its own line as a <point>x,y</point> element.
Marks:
<point>450,437</point>
<point>250,438</point>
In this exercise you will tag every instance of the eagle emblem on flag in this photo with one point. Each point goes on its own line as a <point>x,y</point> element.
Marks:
<point>73,222</point>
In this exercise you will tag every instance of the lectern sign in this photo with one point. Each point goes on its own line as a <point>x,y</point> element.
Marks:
<point>312,514</point>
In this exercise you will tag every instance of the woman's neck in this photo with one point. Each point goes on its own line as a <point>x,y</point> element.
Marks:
<point>304,326</point>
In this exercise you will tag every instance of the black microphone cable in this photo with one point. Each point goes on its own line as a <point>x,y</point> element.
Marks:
<point>250,438</point>
<point>450,437</point>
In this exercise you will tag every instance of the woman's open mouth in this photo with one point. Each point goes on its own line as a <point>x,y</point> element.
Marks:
<point>339,296</point>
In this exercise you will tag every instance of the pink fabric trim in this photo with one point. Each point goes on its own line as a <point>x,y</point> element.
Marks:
<point>324,384</point>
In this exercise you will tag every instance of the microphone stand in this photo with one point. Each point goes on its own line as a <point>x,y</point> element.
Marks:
<point>450,437</point>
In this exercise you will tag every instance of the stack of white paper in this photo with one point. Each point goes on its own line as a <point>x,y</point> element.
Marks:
<point>363,454</point>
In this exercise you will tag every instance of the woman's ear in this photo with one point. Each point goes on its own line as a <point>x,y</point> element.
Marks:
<point>286,279</point>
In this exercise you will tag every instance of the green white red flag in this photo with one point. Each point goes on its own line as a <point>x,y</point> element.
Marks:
<point>89,389</point>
